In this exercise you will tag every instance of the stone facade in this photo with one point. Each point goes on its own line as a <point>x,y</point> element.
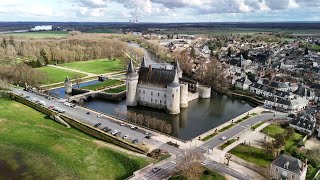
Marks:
<point>68,86</point>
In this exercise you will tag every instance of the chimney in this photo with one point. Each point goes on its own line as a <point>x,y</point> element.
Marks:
<point>150,68</point>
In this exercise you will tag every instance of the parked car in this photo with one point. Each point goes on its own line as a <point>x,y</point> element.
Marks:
<point>114,132</point>
<point>146,133</point>
<point>125,137</point>
<point>148,137</point>
<point>156,169</point>
<point>122,124</point>
<point>100,115</point>
<point>88,113</point>
<point>135,141</point>
<point>42,103</point>
<point>61,111</point>
<point>27,97</point>
<point>97,125</point>
<point>106,129</point>
<point>51,107</point>
<point>223,138</point>
<point>134,127</point>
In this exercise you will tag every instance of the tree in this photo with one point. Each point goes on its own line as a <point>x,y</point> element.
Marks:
<point>269,149</point>
<point>229,52</point>
<point>306,51</point>
<point>279,141</point>
<point>289,132</point>
<point>189,166</point>
<point>193,53</point>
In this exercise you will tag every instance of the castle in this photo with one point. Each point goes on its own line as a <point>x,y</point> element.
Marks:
<point>162,87</point>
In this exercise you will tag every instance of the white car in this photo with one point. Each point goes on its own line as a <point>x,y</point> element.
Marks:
<point>125,137</point>
<point>42,103</point>
<point>100,115</point>
<point>114,132</point>
<point>223,138</point>
<point>122,124</point>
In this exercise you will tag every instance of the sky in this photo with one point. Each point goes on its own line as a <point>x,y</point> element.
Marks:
<point>160,10</point>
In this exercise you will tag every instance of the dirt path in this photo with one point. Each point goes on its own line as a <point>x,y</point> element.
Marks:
<point>78,71</point>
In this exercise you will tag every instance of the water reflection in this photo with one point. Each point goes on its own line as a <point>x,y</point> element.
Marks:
<point>201,115</point>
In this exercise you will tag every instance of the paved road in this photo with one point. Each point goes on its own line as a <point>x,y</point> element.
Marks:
<point>167,166</point>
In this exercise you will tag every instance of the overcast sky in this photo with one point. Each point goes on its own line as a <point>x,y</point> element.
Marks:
<point>160,10</point>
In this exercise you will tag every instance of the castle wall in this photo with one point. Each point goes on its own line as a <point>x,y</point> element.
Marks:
<point>131,92</point>
<point>192,96</point>
<point>204,92</point>
<point>183,95</point>
<point>173,100</point>
<point>152,96</point>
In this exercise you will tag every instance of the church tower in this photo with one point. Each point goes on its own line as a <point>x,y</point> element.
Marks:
<point>68,86</point>
<point>131,83</point>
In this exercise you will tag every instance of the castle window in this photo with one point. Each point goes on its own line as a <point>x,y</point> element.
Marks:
<point>151,93</point>
<point>151,99</point>
<point>144,92</point>
<point>293,176</point>
<point>158,94</point>
<point>160,102</point>
<point>139,91</point>
<point>173,95</point>
<point>165,95</point>
<point>165,102</point>
<point>156,100</point>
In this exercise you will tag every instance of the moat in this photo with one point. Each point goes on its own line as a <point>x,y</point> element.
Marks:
<point>201,115</point>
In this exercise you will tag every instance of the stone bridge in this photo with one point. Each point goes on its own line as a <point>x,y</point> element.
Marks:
<point>83,97</point>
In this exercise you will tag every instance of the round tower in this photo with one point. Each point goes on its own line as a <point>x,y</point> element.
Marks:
<point>68,86</point>
<point>132,84</point>
<point>183,95</point>
<point>173,96</point>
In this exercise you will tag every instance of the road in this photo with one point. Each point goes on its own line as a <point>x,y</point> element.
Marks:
<point>167,166</point>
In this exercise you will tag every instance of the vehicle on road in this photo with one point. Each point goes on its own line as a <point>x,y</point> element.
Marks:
<point>97,125</point>
<point>125,137</point>
<point>106,129</point>
<point>156,169</point>
<point>51,107</point>
<point>148,137</point>
<point>146,133</point>
<point>61,111</point>
<point>88,113</point>
<point>134,127</point>
<point>27,97</point>
<point>42,103</point>
<point>122,124</point>
<point>223,138</point>
<point>99,115</point>
<point>135,141</point>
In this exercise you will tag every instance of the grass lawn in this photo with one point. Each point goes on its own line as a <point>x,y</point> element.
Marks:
<point>251,154</point>
<point>99,66</point>
<point>116,90</point>
<point>55,75</point>
<point>209,136</point>
<point>35,147</point>
<point>273,129</point>
<point>257,125</point>
<point>227,143</point>
<point>42,34</point>
<point>102,85</point>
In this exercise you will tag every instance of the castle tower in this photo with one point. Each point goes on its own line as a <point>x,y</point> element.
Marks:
<point>68,86</point>
<point>132,83</point>
<point>173,96</point>
<point>143,63</point>
<point>183,95</point>
<point>178,69</point>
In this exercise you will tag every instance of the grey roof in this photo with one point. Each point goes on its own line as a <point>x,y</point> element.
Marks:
<point>281,93</point>
<point>304,91</point>
<point>67,79</point>
<point>276,84</point>
<point>143,63</point>
<point>305,121</point>
<point>244,80</point>
<point>290,163</point>
<point>131,71</point>
<point>156,77</point>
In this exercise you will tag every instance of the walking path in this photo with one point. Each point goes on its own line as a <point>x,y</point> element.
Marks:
<point>78,71</point>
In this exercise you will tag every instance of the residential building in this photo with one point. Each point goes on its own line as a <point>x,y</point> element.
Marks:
<point>305,123</point>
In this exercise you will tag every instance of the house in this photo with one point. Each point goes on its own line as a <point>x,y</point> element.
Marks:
<point>243,83</point>
<point>305,92</point>
<point>293,105</point>
<point>288,167</point>
<point>305,123</point>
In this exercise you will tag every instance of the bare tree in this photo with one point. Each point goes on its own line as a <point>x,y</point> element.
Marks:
<point>189,165</point>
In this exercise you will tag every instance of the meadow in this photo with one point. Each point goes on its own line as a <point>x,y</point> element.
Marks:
<point>42,34</point>
<point>99,66</point>
<point>32,146</point>
<point>55,75</point>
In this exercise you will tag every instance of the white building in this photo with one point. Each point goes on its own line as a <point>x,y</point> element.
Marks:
<point>162,88</point>
<point>243,83</point>
<point>288,167</point>
<point>42,28</point>
<point>287,105</point>
<point>305,124</point>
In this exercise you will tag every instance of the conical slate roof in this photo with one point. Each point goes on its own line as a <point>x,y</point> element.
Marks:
<point>175,82</point>
<point>67,79</point>
<point>143,63</point>
<point>130,71</point>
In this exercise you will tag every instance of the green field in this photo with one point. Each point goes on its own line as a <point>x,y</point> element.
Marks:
<point>273,129</point>
<point>253,155</point>
<point>55,75</point>
<point>99,66</point>
<point>34,147</point>
<point>102,85</point>
<point>116,90</point>
<point>42,34</point>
